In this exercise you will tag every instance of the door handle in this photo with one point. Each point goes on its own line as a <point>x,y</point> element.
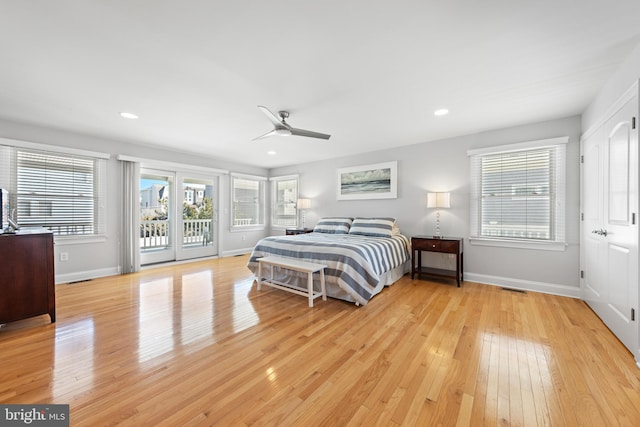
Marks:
<point>600,232</point>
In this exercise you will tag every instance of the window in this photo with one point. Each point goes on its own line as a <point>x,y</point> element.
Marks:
<point>518,194</point>
<point>284,195</point>
<point>247,201</point>
<point>59,191</point>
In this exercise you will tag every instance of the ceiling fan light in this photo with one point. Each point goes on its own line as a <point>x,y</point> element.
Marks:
<point>128,115</point>
<point>283,132</point>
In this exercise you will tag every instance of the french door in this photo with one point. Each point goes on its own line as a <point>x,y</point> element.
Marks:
<point>178,216</point>
<point>197,218</point>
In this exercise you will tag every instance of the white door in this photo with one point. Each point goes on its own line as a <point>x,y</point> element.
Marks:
<point>197,229</point>
<point>594,252</point>
<point>157,218</point>
<point>609,232</point>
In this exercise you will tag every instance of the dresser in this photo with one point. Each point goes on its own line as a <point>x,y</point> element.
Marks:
<point>27,278</point>
<point>444,245</point>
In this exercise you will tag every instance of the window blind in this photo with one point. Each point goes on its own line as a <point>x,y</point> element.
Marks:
<point>248,201</point>
<point>58,191</point>
<point>519,194</point>
<point>284,198</point>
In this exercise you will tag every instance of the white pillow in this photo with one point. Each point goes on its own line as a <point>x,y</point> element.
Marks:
<point>333,225</point>
<point>395,230</point>
<point>375,227</point>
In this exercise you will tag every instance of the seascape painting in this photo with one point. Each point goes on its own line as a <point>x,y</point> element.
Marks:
<point>378,181</point>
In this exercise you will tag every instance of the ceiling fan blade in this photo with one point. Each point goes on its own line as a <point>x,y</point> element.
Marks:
<point>302,132</point>
<point>282,128</point>
<point>272,117</point>
<point>266,135</point>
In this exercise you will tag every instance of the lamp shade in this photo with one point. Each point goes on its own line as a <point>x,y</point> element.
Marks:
<point>438,200</point>
<point>303,204</point>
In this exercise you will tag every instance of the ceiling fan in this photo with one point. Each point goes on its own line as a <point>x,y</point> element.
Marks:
<point>282,128</point>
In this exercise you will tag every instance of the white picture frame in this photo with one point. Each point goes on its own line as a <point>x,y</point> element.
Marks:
<point>375,181</point>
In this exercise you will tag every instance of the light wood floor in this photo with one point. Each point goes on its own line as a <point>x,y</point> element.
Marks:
<point>197,344</point>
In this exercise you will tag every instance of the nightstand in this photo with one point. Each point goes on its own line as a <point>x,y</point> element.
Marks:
<point>444,245</point>
<point>294,231</point>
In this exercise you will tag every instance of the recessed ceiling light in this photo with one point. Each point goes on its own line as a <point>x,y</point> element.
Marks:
<point>271,153</point>
<point>441,112</point>
<point>128,115</point>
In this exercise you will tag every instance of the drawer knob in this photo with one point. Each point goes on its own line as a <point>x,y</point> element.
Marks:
<point>434,246</point>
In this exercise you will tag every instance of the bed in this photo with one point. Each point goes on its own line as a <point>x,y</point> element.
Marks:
<point>362,255</point>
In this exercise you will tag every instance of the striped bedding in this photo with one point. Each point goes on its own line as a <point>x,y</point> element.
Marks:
<point>356,265</point>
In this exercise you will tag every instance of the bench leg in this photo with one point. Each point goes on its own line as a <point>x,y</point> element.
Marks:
<point>310,287</point>
<point>271,270</point>
<point>259,275</point>
<point>323,287</point>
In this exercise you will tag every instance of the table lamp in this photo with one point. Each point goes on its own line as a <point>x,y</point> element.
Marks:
<point>438,201</point>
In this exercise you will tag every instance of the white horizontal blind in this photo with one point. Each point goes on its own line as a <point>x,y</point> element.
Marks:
<point>519,194</point>
<point>61,192</point>
<point>284,198</point>
<point>248,201</point>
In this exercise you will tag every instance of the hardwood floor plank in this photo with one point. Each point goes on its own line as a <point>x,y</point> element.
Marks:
<point>197,344</point>
<point>463,418</point>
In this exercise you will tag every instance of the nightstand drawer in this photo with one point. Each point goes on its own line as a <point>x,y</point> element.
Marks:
<point>450,247</point>
<point>435,245</point>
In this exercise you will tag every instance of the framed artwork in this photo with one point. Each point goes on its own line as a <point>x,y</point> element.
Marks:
<point>377,181</point>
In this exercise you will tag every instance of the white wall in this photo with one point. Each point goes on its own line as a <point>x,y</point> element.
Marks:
<point>627,74</point>
<point>444,166</point>
<point>96,259</point>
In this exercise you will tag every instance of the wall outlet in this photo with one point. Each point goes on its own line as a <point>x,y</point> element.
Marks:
<point>64,256</point>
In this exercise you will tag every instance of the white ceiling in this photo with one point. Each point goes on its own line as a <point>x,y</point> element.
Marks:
<point>369,72</point>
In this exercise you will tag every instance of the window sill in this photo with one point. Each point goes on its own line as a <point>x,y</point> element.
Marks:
<point>519,244</point>
<point>242,228</point>
<point>77,240</point>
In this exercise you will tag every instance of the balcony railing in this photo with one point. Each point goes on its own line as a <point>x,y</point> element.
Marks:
<point>155,234</point>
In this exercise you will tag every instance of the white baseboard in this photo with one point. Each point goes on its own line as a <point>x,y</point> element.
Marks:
<point>86,275</point>
<point>182,261</point>
<point>524,285</point>
<point>237,252</point>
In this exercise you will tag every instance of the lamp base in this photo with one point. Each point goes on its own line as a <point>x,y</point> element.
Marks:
<point>437,235</point>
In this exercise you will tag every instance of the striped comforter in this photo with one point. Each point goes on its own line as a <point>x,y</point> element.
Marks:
<point>354,263</point>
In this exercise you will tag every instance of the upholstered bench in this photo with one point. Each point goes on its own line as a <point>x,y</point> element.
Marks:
<point>295,265</point>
